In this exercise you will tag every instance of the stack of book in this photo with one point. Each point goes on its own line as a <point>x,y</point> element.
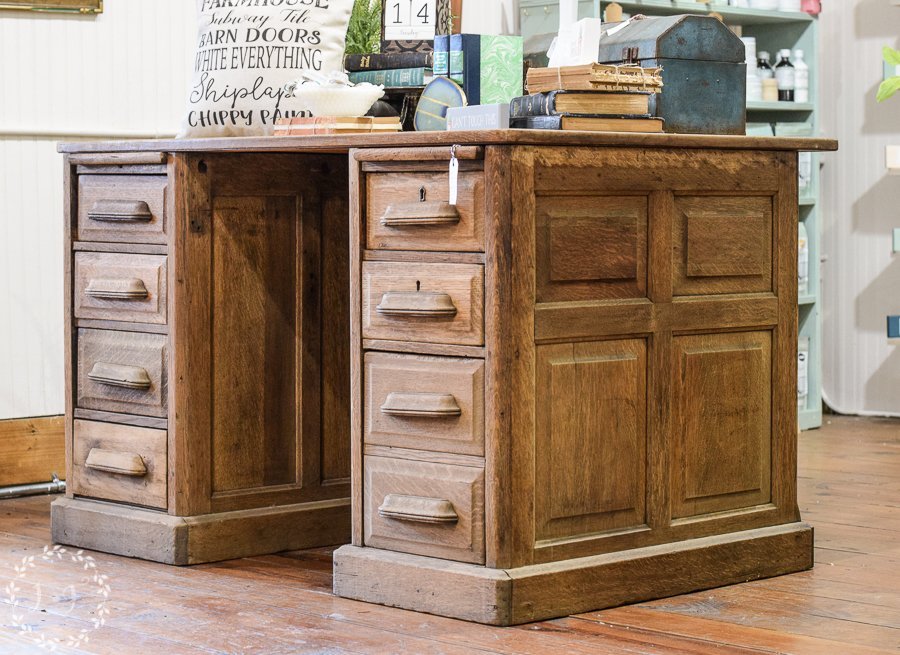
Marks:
<point>487,67</point>
<point>394,70</point>
<point>312,125</point>
<point>593,97</point>
<point>595,77</point>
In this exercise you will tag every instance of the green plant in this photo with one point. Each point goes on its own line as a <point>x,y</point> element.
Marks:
<point>364,30</point>
<point>892,84</point>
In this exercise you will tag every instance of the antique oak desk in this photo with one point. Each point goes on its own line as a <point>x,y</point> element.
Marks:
<point>574,388</point>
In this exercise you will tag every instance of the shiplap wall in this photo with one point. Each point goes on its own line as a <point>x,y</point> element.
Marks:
<point>120,74</point>
<point>860,207</point>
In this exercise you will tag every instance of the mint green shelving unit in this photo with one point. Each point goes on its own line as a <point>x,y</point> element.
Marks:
<point>773,30</point>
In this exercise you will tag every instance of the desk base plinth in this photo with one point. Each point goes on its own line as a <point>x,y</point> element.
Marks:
<point>546,591</point>
<point>182,540</point>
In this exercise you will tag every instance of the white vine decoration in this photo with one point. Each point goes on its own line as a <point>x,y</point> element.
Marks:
<point>57,554</point>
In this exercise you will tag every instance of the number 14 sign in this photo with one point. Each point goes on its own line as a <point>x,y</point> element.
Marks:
<point>410,20</point>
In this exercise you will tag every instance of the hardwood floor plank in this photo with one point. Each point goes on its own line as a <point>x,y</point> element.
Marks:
<point>729,633</point>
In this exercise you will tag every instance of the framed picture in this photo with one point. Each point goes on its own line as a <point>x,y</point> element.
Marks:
<point>410,25</point>
<point>71,6</point>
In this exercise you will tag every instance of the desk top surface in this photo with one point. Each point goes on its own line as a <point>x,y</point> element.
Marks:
<point>345,142</point>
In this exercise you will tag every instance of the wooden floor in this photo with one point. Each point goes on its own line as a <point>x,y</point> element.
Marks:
<point>848,604</point>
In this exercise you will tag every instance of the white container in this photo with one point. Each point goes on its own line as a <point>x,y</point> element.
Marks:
<point>754,87</point>
<point>802,372</point>
<point>801,77</point>
<point>767,5</point>
<point>788,5</point>
<point>750,51</point>
<point>804,167</point>
<point>802,260</point>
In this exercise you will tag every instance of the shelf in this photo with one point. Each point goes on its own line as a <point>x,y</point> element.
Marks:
<point>732,15</point>
<point>806,300</point>
<point>780,106</point>
<point>807,201</point>
<point>809,418</point>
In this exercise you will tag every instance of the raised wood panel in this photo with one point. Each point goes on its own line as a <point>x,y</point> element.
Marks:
<point>101,278</point>
<point>96,481</point>
<point>258,310</point>
<point>142,355</point>
<point>463,283</point>
<point>406,211</point>
<point>255,330</point>
<point>403,396</point>
<point>580,171</point>
<point>722,244</point>
<point>591,437</point>
<point>95,192</point>
<point>722,422</point>
<point>458,489</point>
<point>591,247</point>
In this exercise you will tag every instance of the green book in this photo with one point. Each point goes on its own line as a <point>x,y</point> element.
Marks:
<point>396,77</point>
<point>488,67</point>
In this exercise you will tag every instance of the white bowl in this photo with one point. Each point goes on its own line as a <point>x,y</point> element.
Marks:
<point>337,100</point>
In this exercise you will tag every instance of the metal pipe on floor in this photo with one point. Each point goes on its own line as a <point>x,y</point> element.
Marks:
<point>55,486</point>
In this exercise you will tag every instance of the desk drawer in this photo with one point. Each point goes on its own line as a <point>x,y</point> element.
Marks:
<point>424,403</point>
<point>122,208</point>
<point>122,372</point>
<point>120,463</point>
<point>409,211</point>
<point>120,287</point>
<point>431,303</point>
<point>423,508</point>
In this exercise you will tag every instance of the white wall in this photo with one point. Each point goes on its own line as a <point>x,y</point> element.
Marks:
<point>120,74</point>
<point>860,206</point>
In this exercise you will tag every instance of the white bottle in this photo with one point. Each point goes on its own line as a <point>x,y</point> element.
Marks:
<point>801,78</point>
<point>803,261</point>
<point>754,85</point>
<point>802,372</point>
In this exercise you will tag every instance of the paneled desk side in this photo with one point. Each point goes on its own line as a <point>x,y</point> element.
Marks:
<point>636,433</point>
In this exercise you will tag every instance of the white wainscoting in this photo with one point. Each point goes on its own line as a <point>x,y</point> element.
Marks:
<point>122,74</point>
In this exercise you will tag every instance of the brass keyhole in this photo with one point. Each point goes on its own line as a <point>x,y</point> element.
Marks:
<point>422,194</point>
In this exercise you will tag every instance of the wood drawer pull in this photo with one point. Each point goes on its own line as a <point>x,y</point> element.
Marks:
<point>418,509</point>
<point>113,461</point>
<point>128,289</point>
<point>428,405</point>
<point>417,214</point>
<point>416,303</point>
<point>119,375</point>
<point>120,211</point>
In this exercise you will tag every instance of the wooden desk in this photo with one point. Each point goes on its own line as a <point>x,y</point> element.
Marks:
<point>574,389</point>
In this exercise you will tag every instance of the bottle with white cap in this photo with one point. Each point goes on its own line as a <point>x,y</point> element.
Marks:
<point>801,78</point>
<point>784,74</point>
<point>763,67</point>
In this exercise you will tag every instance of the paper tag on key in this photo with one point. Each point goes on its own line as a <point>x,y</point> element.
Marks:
<point>454,176</point>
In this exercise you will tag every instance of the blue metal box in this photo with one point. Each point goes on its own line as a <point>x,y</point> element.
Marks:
<point>703,70</point>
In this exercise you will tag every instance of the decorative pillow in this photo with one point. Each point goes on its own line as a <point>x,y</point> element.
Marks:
<point>247,50</point>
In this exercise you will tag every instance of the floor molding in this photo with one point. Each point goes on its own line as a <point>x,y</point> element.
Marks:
<point>31,450</point>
